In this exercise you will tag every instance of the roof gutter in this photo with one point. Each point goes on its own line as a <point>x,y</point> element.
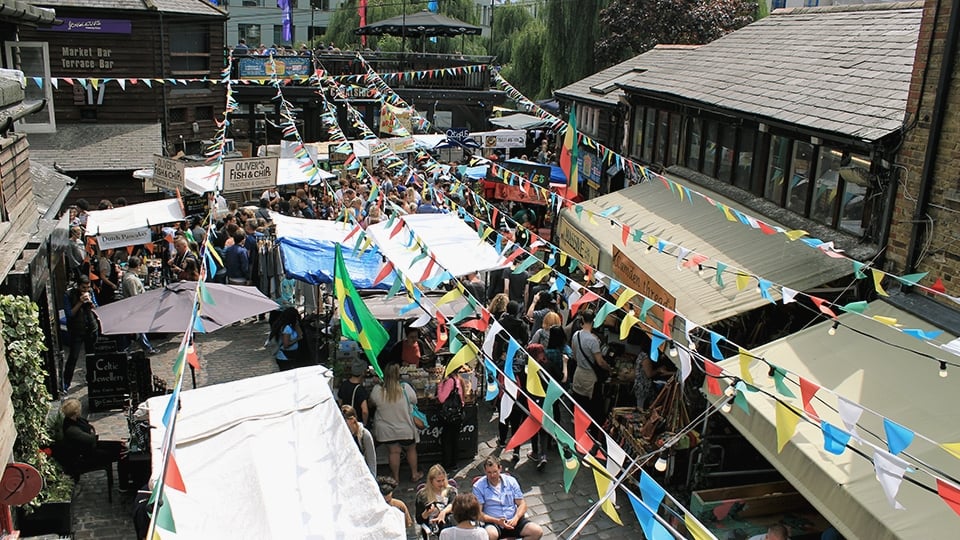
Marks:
<point>933,141</point>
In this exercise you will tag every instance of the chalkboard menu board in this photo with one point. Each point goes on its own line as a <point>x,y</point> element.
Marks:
<point>108,380</point>
<point>429,446</point>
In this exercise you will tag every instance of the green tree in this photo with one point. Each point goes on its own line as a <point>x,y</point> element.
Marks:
<point>571,33</point>
<point>508,22</point>
<point>347,19</point>
<point>525,69</point>
<point>632,27</point>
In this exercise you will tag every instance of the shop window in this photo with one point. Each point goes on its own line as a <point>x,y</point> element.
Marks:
<point>178,115</point>
<point>674,153</point>
<point>649,128</point>
<point>663,131</point>
<point>203,113</point>
<point>728,137</point>
<point>710,147</point>
<point>854,174</point>
<point>189,50</point>
<point>33,59</point>
<point>249,33</point>
<point>693,143</point>
<point>278,35</point>
<point>741,174</point>
<point>636,132</point>
<point>798,189</point>
<point>777,164</point>
<point>827,186</point>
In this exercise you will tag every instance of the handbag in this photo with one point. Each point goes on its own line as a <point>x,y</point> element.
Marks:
<point>419,419</point>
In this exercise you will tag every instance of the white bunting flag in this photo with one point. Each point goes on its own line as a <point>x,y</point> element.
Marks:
<point>789,295</point>
<point>490,339</point>
<point>850,414</point>
<point>890,470</point>
<point>685,366</point>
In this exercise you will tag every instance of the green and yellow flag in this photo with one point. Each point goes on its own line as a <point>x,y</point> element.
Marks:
<point>356,321</point>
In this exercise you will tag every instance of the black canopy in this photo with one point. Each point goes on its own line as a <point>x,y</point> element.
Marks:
<point>419,24</point>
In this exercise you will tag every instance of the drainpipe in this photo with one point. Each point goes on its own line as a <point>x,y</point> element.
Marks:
<point>163,88</point>
<point>936,130</point>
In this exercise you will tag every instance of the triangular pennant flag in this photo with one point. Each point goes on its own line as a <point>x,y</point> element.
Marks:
<point>192,358</point>
<point>834,439</point>
<point>695,529</point>
<point>492,388</point>
<point>720,268</point>
<point>807,391</point>
<point>787,419</point>
<point>686,366</point>
<point>205,295</point>
<point>780,384</point>
<point>855,307</point>
<point>606,309</point>
<point>713,371</point>
<point>603,485</point>
<point>715,346</point>
<point>938,286</point>
<point>877,280</point>
<point>512,348</point>
<point>648,523</point>
<point>745,360</point>
<point>530,426</point>
<point>740,398</point>
<point>647,304</point>
<point>898,437</point>
<point>850,414</point>
<point>656,340</point>
<point>890,470</point>
<point>164,518</point>
<point>789,295</point>
<point>171,476</point>
<point>534,384</point>
<point>742,281</point>
<point>464,356</point>
<point>625,297</point>
<point>950,494</point>
<point>953,448</point>
<point>581,425</point>
<point>912,279</point>
<point>384,272</point>
<point>628,321</point>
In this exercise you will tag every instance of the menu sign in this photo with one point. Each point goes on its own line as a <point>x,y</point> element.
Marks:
<point>167,173</point>
<point>108,375</point>
<point>249,174</point>
<point>628,273</point>
<point>573,241</point>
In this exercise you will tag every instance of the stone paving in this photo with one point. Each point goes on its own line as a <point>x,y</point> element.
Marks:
<point>237,352</point>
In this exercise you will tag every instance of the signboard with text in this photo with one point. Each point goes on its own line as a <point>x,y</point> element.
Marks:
<point>249,174</point>
<point>284,67</point>
<point>576,243</point>
<point>627,272</point>
<point>109,382</point>
<point>91,26</point>
<point>132,237</point>
<point>167,173</point>
<point>515,138</point>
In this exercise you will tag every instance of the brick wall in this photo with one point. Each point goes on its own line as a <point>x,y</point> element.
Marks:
<point>940,243</point>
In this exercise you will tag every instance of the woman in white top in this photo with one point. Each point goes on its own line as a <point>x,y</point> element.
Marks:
<point>466,512</point>
<point>393,424</point>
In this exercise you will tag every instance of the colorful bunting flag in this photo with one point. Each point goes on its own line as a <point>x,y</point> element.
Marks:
<point>787,419</point>
<point>356,321</point>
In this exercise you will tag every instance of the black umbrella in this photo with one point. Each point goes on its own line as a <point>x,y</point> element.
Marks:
<point>168,310</point>
<point>419,24</point>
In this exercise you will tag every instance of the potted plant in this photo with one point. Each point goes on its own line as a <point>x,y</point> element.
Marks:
<point>50,511</point>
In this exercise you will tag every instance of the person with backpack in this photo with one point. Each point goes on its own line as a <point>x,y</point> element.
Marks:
<point>450,394</point>
<point>592,370</point>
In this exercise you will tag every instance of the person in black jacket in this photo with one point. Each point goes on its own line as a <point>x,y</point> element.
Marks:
<point>81,448</point>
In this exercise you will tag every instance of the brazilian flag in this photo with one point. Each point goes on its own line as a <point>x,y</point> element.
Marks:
<point>356,321</point>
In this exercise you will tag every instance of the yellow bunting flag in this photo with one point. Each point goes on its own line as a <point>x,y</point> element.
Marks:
<point>889,321</point>
<point>590,217</point>
<point>463,357</point>
<point>953,448</point>
<point>603,484</point>
<point>745,359</point>
<point>451,295</point>
<point>485,234</point>
<point>538,277</point>
<point>625,297</point>
<point>877,279</point>
<point>742,281</point>
<point>787,419</point>
<point>726,212</point>
<point>563,258</point>
<point>795,234</point>
<point>696,530</point>
<point>534,385</point>
<point>629,319</point>
<point>408,284</point>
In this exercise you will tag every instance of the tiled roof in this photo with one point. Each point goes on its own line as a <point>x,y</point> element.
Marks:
<point>193,7</point>
<point>97,147</point>
<point>18,11</point>
<point>840,69</point>
<point>601,87</point>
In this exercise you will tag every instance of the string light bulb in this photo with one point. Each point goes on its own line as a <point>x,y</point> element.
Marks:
<point>700,270</point>
<point>672,351</point>
<point>613,224</point>
<point>727,406</point>
<point>730,391</point>
<point>833,328</point>
<point>661,464</point>
<point>943,369</point>
<point>649,248</point>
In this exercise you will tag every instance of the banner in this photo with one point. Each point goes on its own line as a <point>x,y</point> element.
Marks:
<point>284,67</point>
<point>249,174</point>
<point>167,173</point>
<point>133,237</point>
<point>395,120</point>
<point>513,138</point>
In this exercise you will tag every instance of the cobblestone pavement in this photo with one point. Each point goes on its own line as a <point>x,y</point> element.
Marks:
<point>237,352</point>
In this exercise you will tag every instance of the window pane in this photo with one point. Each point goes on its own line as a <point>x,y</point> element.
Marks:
<point>278,34</point>
<point>799,182</point>
<point>855,176</point>
<point>674,139</point>
<point>728,134</point>
<point>826,186</point>
<point>637,132</point>
<point>33,64</point>
<point>663,123</point>
<point>741,176</point>
<point>250,33</point>
<point>710,148</point>
<point>189,41</point>
<point>648,129</point>
<point>776,168</point>
<point>693,143</point>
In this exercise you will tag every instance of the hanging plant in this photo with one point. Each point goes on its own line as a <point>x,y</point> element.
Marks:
<point>24,342</point>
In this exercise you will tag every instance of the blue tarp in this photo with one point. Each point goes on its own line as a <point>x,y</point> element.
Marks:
<point>312,261</point>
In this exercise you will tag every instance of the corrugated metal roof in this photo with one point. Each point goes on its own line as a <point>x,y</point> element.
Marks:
<point>601,86</point>
<point>701,227</point>
<point>98,147</point>
<point>805,66</point>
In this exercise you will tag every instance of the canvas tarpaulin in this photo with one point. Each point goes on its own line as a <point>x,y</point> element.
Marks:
<point>270,457</point>
<point>876,374</point>
<point>134,216</point>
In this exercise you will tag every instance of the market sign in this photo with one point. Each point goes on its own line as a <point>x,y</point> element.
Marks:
<point>536,173</point>
<point>573,241</point>
<point>91,26</point>
<point>249,174</point>
<point>631,275</point>
<point>167,173</point>
<point>516,138</point>
<point>133,237</point>
<point>284,67</point>
<point>589,166</point>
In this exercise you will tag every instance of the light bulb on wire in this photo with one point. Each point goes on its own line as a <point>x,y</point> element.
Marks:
<point>730,391</point>
<point>672,351</point>
<point>727,406</point>
<point>661,464</point>
<point>613,224</point>
<point>833,329</point>
<point>700,270</point>
<point>943,369</point>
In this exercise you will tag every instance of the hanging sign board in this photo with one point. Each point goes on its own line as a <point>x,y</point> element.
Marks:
<point>249,174</point>
<point>167,173</point>
<point>627,272</point>
<point>574,242</point>
<point>133,237</point>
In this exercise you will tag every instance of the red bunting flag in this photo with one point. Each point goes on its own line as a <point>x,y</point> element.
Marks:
<point>384,272</point>
<point>493,218</point>
<point>766,229</point>
<point>130,250</point>
<point>588,296</point>
<point>481,324</point>
<point>713,371</point>
<point>807,391</point>
<point>581,422</point>
<point>397,228</point>
<point>172,477</point>
<point>938,286</point>
<point>428,269</point>
<point>528,428</point>
<point>950,494</point>
<point>193,359</point>
<point>822,305</point>
<point>149,247</point>
<point>354,231</point>
<point>441,331</point>
<point>624,234</point>
<point>667,321</point>
<point>514,255</point>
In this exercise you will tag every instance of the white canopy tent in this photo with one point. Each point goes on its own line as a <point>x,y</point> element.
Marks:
<point>134,216</point>
<point>315,229</point>
<point>878,374</point>
<point>456,246</point>
<point>270,457</point>
<point>200,180</point>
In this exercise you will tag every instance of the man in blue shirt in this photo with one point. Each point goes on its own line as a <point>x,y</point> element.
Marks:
<point>427,207</point>
<point>502,503</point>
<point>237,261</point>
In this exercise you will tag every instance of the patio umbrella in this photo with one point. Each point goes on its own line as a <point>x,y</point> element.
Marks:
<point>168,310</point>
